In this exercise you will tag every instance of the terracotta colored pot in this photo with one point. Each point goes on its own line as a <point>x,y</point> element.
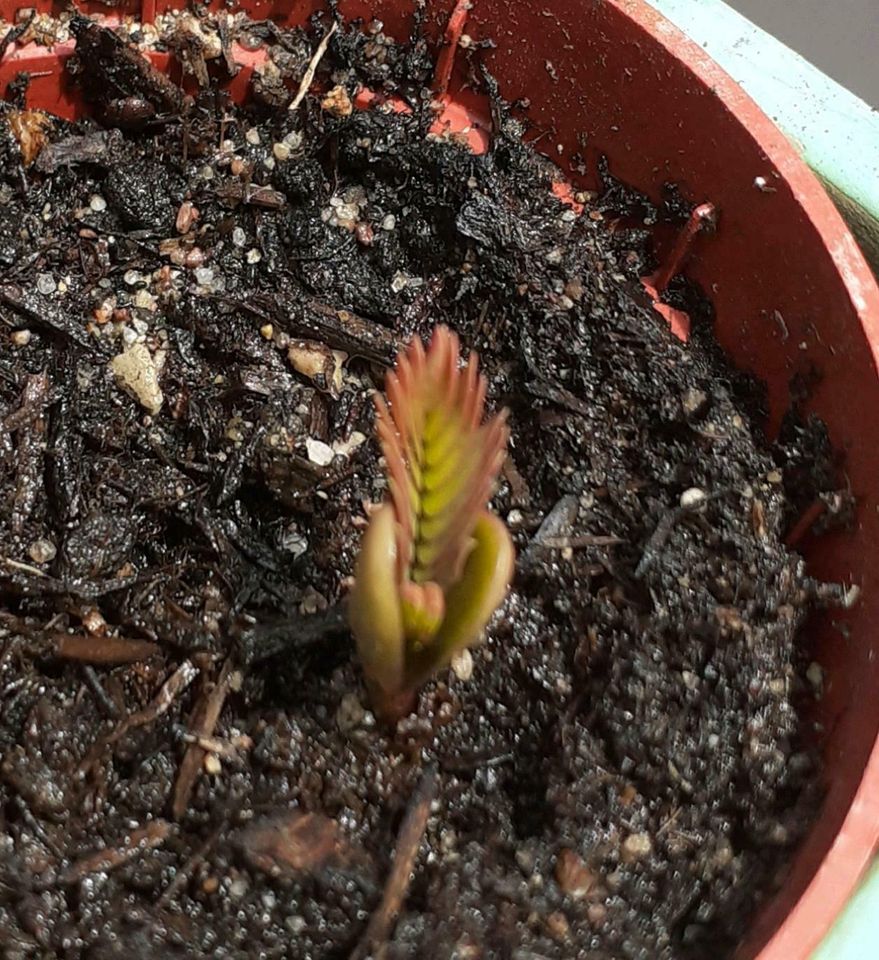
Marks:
<point>792,294</point>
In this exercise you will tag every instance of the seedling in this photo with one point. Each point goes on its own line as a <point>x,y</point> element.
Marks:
<point>435,563</point>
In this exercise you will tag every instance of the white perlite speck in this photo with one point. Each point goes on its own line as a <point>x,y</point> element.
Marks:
<point>319,452</point>
<point>46,284</point>
<point>692,498</point>
<point>462,665</point>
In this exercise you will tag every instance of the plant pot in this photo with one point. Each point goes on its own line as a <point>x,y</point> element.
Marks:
<point>792,295</point>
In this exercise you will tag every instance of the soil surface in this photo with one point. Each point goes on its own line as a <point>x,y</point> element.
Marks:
<point>196,301</point>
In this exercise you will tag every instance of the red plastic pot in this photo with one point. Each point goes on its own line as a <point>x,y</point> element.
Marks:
<point>792,294</point>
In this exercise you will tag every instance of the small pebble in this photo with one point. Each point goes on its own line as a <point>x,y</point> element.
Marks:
<point>144,300</point>
<point>239,237</point>
<point>337,103</point>
<point>281,151</point>
<point>319,452</point>
<point>815,676</point>
<point>399,282</point>
<point>94,622</point>
<point>252,137</point>
<point>212,765</point>
<point>637,846</point>
<point>574,289</point>
<point>693,400</point>
<point>557,925</point>
<point>389,222</point>
<point>20,338</point>
<point>692,497</point>
<point>137,370</point>
<point>595,913</point>
<point>46,284</point>
<point>253,256</point>
<point>462,665</point>
<point>345,447</point>
<point>267,331</point>
<point>203,276</point>
<point>237,888</point>
<point>186,216</point>
<point>132,278</point>
<point>293,541</point>
<point>572,875</point>
<point>97,203</point>
<point>42,551</point>
<point>350,712</point>
<point>194,258</point>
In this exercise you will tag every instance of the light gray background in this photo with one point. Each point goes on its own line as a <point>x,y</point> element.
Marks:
<point>841,37</point>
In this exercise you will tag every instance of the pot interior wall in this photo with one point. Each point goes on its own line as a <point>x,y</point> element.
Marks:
<point>605,78</point>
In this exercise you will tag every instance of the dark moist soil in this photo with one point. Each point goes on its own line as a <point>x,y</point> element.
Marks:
<point>618,772</point>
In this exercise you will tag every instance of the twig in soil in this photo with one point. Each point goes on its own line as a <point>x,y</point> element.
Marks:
<point>44,313</point>
<point>657,540</point>
<point>83,148</point>
<point>382,922</point>
<point>338,329</point>
<point>230,749</point>
<point>805,523</point>
<point>13,33</point>
<point>99,693</point>
<point>559,396</point>
<point>24,567</point>
<point>184,874</point>
<point>102,649</point>
<point>667,522</point>
<point>262,641</point>
<point>36,827</point>
<point>308,76</point>
<point>252,194</point>
<point>556,524</point>
<point>202,722</point>
<point>153,835</point>
<point>584,540</point>
<point>172,688</point>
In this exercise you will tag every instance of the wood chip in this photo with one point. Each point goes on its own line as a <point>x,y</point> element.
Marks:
<point>92,649</point>
<point>136,843</point>
<point>308,76</point>
<point>382,922</point>
<point>202,723</point>
<point>295,842</point>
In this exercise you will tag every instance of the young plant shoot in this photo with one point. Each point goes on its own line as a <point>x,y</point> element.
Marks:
<point>434,563</point>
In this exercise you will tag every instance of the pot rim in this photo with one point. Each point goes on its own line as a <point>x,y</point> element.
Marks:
<point>841,869</point>
<point>837,876</point>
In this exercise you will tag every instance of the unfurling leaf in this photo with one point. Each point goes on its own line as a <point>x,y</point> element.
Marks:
<point>435,563</point>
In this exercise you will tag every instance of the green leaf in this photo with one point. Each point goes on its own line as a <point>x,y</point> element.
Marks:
<point>471,601</point>
<point>374,606</point>
<point>441,462</point>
